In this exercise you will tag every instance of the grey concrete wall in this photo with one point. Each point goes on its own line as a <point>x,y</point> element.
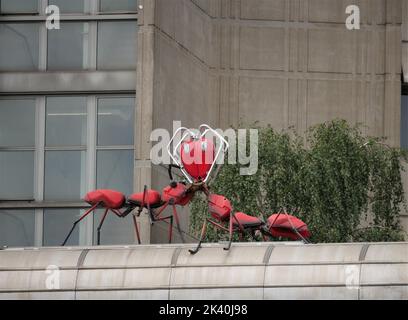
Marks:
<point>247,271</point>
<point>405,66</point>
<point>284,63</point>
<point>294,63</point>
<point>185,85</point>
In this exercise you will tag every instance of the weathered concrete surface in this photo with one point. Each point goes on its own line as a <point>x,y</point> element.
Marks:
<point>284,63</point>
<point>247,271</point>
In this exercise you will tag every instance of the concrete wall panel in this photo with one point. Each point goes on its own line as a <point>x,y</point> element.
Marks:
<point>207,277</point>
<point>263,9</point>
<point>262,100</point>
<point>311,254</point>
<point>35,280</point>
<point>140,278</point>
<point>397,252</point>
<point>384,293</point>
<point>329,100</point>
<point>306,275</point>
<point>217,294</point>
<point>314,293</point>
<point>384,274</point>
<point>65,295</point>
<point>123,295</point>
<point>128,257</point>
<point>216,256</point>
<point>262,48</point>
<point>332,51</point>
<point>39,259</point>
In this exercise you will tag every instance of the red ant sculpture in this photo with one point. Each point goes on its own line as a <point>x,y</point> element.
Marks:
<point>196,157</point>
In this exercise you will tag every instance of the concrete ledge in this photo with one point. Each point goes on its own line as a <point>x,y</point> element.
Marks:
<point>247,271</point>
<point>66,82</point>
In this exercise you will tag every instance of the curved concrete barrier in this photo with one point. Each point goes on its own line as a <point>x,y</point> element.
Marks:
<point>247,271</point>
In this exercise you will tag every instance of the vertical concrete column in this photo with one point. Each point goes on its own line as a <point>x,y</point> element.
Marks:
<point>144,105</point>
<point>392,108</point>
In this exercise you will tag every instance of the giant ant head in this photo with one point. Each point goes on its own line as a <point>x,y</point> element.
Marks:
<point>197,154</point>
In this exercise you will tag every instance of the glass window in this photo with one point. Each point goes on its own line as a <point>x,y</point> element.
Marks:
<point>404,122</point>
<point>118,5</point>
<point>21,51</point>
<point>17,123</point>
<point>115,170</point>
<point>68,46</point>
<point>116,117</point>
<point>17,228</point>
<point>66,121</point>
<point>18,6</point>
<point>115,231</point>
<point>16,175</point>
<point>117,45</point>
<point>57,224</point>
<point>64,175</point>
<point>71,6</point>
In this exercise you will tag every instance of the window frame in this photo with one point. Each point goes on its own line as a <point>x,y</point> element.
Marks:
<point>38,204</point>
<point>93,17</point>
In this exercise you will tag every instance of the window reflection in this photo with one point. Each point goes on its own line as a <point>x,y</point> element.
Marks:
<point>68,46</point>
<point>66,121</point>
<point>22,49</point>
<point>116,118</point>
<point>64,175</point>
<point>17,228</point>
<point>18,6</point>
<point>57,224</point>
<point>115,231</point>
<point>17,122</point>
<point>115,170</point>
<point>118,5</point>
<point>117,45</point>
<point>16,175</point>
<point>71,6</point>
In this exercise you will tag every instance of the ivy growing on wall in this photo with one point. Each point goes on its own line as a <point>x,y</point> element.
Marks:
<point>346,186</point>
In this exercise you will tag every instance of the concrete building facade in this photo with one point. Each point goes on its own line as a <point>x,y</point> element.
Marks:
<point>284,63</point>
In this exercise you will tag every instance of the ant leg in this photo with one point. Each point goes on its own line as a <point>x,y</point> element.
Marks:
<point>136,229</point>
<point>79,220</point>
<point>203,233</point>
<point>178,223</point>
<point>100,226</point>
<point>171,229</point>
<point>230,233</point>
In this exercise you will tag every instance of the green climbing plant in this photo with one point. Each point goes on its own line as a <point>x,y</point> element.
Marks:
<point>346,186</point>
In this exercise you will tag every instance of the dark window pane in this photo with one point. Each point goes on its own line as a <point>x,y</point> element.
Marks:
<point>19,46</point>
<point>71,6</point>
<point>115,231</point>
<point>17,228</point>
<point>117,45</point>
<point>116,118</point>
<point>17,123</point>
<point>404,122</point>
<point>18,6</point>
<point>57,224</point>
<point>16,175</point>
<point>118,5</point>
<point>66,121</point>
<point>64,175</point>
<point>67,47</point>
<point>115,170</point>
